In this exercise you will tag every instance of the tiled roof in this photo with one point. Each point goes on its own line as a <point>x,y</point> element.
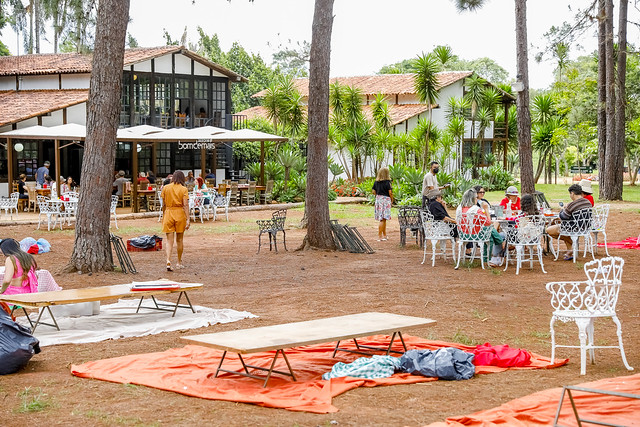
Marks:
<point>70,63</point>
<point>16,106</point>
<point>398,113</point>
<point>387,84</point>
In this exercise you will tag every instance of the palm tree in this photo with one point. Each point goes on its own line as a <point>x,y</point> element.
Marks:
<point>524,117</point>
<point>426,85</point>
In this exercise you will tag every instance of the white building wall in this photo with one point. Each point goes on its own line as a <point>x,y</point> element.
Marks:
<point>76,81</point>
<point>54,119</point>
<point>39,82</point>
<point>163,64</point>
<point>143,67</point>
<point>183,64</point>
<point>77,114</point>
<point>200,70</point>
<point>7,83</point>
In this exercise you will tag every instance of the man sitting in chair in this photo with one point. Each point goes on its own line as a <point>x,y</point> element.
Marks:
<point>578,202</point>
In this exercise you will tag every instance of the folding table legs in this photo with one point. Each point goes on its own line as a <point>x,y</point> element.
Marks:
<point>270,371</point>
<point>159,306</point>
<point>368,347</point>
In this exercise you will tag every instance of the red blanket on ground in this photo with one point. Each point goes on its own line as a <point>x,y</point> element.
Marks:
<point>190,370</point>
<point>539,409</point>
<point>628,243</point>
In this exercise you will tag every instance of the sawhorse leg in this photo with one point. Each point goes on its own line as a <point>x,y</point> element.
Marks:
<point>159,306</point>
<point>368,347</point>
<point>38,322</point>
<point>270,371</point>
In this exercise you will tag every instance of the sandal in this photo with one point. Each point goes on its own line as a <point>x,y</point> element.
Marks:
<point>568,257</point>
<point>169,266</point>
<point>179,266</point>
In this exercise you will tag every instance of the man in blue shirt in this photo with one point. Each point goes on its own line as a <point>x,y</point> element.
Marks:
<point>41,172</point>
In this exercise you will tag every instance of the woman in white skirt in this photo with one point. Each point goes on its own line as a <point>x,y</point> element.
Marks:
<point>384,199</point>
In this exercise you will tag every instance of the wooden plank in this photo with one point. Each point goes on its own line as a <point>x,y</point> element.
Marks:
<point>72,296</point>
<point>297,334</point>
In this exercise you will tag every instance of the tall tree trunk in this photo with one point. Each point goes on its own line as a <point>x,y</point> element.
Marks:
<point>612,169</point>
<point>602,97</point>
<point>317,201</point>
<point>524,116</point>
<point>539,169</point>
<point>92,250</point>
<point>616,150</point>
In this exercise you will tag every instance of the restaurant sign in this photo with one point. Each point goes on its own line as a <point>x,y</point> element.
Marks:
<point>198,145</point>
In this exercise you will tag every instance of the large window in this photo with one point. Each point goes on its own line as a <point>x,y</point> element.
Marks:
<point>163,159</point>
<point>219,103</point>
<point>162,100</point>
<point>182,103</point>
<point>125,108</point>
<point>142,98</point>
<point>28,159</point>
<point>144,159</point>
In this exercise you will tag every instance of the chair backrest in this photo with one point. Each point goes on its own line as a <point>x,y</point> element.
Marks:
<point>435,229</point>
<point>409,217</point>
<point>114,204</point>
<point>72,195</point>
<point>251,191</point>
<point>472,227</point>
<point>269,186</point>
<point>600,216</point>
<point>14,197</point>
<point>33,194</point>
<point>579,225</point>
<point>234,189</point>
<point>528,230</point>
<point>279,217</point>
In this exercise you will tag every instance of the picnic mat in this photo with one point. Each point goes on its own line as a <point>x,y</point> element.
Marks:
<point>120,320</point>
<point>628,243</point>
<point>190,370</point>
<point>539,409</point>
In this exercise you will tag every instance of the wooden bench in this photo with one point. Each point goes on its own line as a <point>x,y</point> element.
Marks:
<point>289,335</point>
<point>44,300</point>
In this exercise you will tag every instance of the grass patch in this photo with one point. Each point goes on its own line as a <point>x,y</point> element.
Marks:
<point>540,334</point>
<point>479,314</point>
<point>463,338</point>
<point>33,400</point>
<point>110,419</point>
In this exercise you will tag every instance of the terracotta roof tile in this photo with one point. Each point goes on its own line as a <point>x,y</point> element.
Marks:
<point>387,84</point>
<point>16,106</point>
<point>69,63</point>
<point>398,113</point>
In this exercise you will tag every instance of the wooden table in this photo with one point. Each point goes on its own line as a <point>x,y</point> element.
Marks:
<point>244,187</point>
<point>43,191</point>
<point>73,296</point>
<point>289,335</point>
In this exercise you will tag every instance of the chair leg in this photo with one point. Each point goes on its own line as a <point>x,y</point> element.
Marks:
<point>604,236</point>
<point>540,258</point>
<point>519,255</point>
<point>575,241</point>
<point>284,239</point>
<point>459,254</point>
<point>424,254</point>
<point>259,242</point>
<point>433,251</point>
<point>582,324</point>
<point>481,244</point>
<point>592,351</point>
<point>619,333</point>
<point>453,249</point>
<point>553,340</point>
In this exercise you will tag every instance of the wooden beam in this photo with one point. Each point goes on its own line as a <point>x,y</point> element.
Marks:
<point>203,161</point>
<point>10,163</point>
<point>506,135</point>
<point>154,158</point>
<point>56,165</point>
<point>134,178</point>
<point>261,162</point>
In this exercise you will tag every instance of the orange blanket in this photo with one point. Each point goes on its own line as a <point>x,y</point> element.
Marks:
<point>539,409</point>
<point>190,370</point>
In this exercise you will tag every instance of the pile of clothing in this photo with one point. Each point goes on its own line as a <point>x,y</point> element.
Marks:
<point>445,363</point>
<point>33,246</point>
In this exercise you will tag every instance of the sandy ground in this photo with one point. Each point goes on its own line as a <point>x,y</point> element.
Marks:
<point>471,305</point>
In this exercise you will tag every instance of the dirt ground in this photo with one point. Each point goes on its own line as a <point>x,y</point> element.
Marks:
<point>471,305</point>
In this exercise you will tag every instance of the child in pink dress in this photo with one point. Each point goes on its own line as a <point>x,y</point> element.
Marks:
<point>19,269</point>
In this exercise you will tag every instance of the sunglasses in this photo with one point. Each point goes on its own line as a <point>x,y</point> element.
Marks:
<point>480,192</point>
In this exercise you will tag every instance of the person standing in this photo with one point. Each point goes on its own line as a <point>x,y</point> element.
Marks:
<point>384,199</point>
<point>175,215</point>
<point>41,172</point>
<point>430,184</point>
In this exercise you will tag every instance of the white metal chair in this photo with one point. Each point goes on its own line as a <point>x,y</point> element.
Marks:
<point>196,206</point>
<point>437,231</point>
<point>221,202</point>
<point>583,302</point>
<point>71,195</point>
<point>112,209</point>
<point>70,209</point>
<point>10,204</point>
<point>599,225</point>
<point>471,229</point>
<point>527,233</point>
<point>579,226</point>
<point>159,201</point>
<point>51,210</point>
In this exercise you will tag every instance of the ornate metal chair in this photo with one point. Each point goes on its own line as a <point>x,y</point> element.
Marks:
<point>599,225</point>
<point>437,231</point>
<point>112,209</point>
<point>579,226</point>
<point>527,233</point>
<point>49,209</point>
<point>221,202</point>
<point>583,302</point>
<point>272,227</point>
<point>471,229</point>
<point>196,206</point>
<point>409,219</point>
<point>10,204</point>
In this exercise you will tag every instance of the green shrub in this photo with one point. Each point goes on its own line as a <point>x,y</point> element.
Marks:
<point>332,195</point>
<point>415,200</point>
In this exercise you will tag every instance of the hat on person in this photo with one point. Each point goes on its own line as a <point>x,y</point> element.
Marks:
<point>47,163</point>
<point>586,186</point>
<point>121,173</point>
<point>511,191</point>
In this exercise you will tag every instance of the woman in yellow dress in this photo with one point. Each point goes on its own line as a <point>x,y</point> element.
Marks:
<point>175,215</point>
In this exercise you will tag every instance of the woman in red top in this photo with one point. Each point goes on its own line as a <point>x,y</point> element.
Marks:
<point>587,191</point>
<point>511,201</point>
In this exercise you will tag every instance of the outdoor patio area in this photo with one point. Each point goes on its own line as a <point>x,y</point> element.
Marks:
<point>471,306</point>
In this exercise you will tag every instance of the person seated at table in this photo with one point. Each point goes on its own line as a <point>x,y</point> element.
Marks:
<point>22,188</point>
<point>210,175</point>
<point>480,191</point>
<point>167,180</point>
<point>19,269</point>
<point>190,180</point>
<point>51,184</point>
<point>585,184</point>
<point>68,185</point>
<point>578,202</point>
<point>529,206</point>
<point>142,177</point>
<point>151,177</point>
<point>438,209</point>
<point>119,183</point>
<point>472,219</point>
<point>201,186</point>
<point>511,202</point>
